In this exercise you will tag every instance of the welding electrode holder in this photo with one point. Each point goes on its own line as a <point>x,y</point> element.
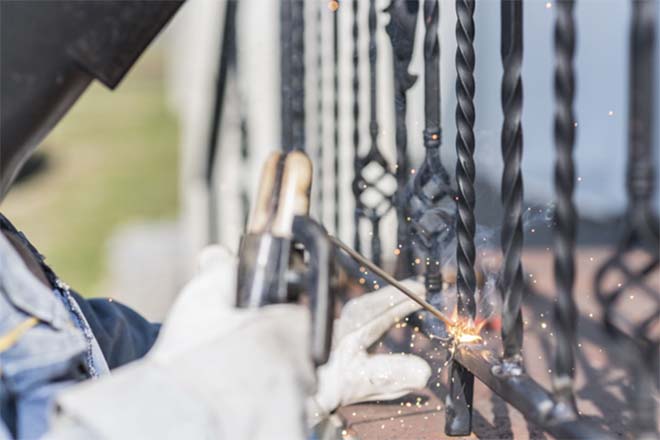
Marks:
<point>284,254</point>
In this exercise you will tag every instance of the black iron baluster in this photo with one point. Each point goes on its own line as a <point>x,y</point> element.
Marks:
<point>376,184</point>
<point>356,115</point>
<point>298,73</point>
<point>511,282</point>
<point>245,156</point>
<point>565,212</point>
<point>638,338</point>
<point>320,156</point>
<point>285,74</point>
<point>426,192</point>
<point>459,408</point>
<point>401,30</point>
<point>335,110</point>
<point>292,65</point>
<point>226,63</point>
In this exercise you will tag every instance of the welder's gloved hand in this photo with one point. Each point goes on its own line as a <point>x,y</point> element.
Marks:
<point>215,372</point>
<point>352,375</point>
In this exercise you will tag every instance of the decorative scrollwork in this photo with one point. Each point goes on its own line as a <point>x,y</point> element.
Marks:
<point>429,192</point>
<point>637,257</point>
<point>401,30</point>
<point>374,182</point>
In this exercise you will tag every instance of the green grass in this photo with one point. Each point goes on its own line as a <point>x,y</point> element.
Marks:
<point>112,160</point>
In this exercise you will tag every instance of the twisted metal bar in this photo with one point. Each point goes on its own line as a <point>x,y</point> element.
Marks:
<point>461,385</point>
<point>356,115</point>
<point>297,74</point>
<point>401,30</point>
<point>367,208</point>
<point>511,282</point>
<point>638,339</point>
<point>565,217</point>
<point>319,108</point>
<point>285,75</point>
<point>465,169</point>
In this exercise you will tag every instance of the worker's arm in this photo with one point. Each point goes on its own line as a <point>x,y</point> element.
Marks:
<point>221,372</point>
<point>123,334</point>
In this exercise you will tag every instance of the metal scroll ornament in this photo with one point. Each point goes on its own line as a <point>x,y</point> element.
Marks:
<point>401,30</point>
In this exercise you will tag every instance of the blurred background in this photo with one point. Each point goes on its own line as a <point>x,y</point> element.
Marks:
<point>112,161</point>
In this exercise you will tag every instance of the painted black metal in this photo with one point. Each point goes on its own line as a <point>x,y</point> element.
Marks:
<point>526,395</point>
<point>259,285</point>
<point>459,410</point>
<point>374,159</point>
<point>565,216</point>
<point>285,74</point>
<point>245,157</point>
<point>422,195</point>
<point>465,168</point>
<point>401,30</point>
<point>355,32</point>
<point>638,339</point>
<point>320,123</point>
<point>511,281</point>
<point>318,283</point>
<point>292,65</point>
<point>226,63</point>
<point>429,192</point>
<point>335,111</point>
<point>297,73</point>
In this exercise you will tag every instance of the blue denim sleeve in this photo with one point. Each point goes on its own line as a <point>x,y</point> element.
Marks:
<point>123,334</point>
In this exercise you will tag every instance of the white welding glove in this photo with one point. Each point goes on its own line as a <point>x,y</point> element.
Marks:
<point>215,372</point>
<point>352,375</point>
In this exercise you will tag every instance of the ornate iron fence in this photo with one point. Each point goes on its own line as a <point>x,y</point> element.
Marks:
<point>429,208</point>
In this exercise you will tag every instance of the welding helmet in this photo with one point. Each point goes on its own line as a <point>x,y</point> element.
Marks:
<point>51,50</point>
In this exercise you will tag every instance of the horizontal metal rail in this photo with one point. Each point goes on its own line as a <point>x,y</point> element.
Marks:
<point>526,395</point>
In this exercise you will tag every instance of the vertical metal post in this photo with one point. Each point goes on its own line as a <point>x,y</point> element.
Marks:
<point>297,72</point>
<point>245,156</point>
<point>226,62</point>
<point>371,210</point>
<point>459,399</point>
<point>637,336</point>
<point>335,111</point>
<point>285,75</point>
<point>292,65</point>
<point>356,114</point>
<point>319,109</point>
<point>430,188</point>
<point>511,282</point>
<point>401,30</point>
<point>565,313</point>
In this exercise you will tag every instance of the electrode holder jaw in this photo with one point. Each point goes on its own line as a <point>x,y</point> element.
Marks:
<point>285,256</point>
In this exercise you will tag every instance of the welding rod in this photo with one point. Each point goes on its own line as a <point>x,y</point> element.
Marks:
<point>390,279</point>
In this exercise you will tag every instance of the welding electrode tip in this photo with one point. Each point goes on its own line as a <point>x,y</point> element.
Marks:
<point>391,280</point>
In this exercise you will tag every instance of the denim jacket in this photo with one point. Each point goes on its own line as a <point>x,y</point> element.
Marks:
<point>52,338</point>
